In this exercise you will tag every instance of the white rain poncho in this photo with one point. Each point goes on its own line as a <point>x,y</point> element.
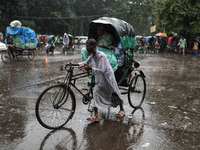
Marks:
<point>105,83</point>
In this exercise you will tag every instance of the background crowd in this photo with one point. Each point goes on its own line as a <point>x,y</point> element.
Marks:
<point>170,43</point>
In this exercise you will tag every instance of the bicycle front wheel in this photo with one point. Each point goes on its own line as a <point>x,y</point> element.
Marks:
<point>136,91</point>
<point>6,56</point>
<point>55,106</point>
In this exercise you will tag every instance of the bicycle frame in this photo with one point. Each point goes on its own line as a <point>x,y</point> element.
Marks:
<point>70,80</point>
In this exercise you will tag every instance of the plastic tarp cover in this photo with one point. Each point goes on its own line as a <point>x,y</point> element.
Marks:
<point>109,53</point>
<point>124,30</point>
<point>25,34</point>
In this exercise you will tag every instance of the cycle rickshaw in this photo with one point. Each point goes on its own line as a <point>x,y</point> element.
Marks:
<point>24,44</point>
<point>56,104</point>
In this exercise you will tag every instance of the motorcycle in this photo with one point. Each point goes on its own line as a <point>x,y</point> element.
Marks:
<point>50,47</point>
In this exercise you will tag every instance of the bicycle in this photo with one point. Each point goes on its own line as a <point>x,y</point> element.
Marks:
<point>56,104</point>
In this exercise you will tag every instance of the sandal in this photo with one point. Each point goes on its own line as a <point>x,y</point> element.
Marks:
<point>120,114</point>
<point>94,119</point>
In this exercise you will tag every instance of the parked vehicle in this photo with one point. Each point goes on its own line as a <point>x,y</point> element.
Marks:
<point>2,46</point>
<point>82,39</point>
<point>1,36</point>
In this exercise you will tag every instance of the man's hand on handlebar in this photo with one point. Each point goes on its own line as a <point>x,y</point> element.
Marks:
<point>86,67</point>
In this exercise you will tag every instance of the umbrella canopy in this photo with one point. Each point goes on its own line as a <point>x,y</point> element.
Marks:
<point>69,35</point>
<point>147,38</point>
<point>49,36</point>
<point>197,40</point>
<point>16,23</point>
<point>158,34</point>
<point>138,37</point>
<point>164,34</point>
<point>170,38</point>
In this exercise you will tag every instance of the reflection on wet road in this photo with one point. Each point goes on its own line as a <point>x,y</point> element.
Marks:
<point>169,117</point>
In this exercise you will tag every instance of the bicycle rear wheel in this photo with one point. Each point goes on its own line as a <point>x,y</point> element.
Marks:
<point>136,91</point>
<point>19,55</point>
<point>55,106</point>
<point>31,54</point>
<point>6,56</point>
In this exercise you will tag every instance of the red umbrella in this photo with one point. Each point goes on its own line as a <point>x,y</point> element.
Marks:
<point>170,38</point>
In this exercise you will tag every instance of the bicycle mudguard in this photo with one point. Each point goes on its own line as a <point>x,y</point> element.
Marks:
<point>142,74</point>
<point>132,74</point>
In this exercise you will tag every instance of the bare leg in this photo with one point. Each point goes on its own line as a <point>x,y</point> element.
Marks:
<point>179,50</point>
<point>96,112</point>
<point>95,117</point>
<point>121,112</point>
<point>121,107</point>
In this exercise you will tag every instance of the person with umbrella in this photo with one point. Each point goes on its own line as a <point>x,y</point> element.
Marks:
<point>172,43</point>
<point>195,47</point>
<point>163,43</point>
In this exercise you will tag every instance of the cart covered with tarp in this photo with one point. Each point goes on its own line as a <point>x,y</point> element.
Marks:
<point>123,32</point>
<point>24,42</point>
<point>23,37</point>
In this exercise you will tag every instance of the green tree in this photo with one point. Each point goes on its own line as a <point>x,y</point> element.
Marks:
<point>140,16</point>
<point>73,16</point>
<point>179,16</point>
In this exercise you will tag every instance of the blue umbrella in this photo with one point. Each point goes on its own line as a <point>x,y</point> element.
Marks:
<point>147,38</point>
<point>197,40</point>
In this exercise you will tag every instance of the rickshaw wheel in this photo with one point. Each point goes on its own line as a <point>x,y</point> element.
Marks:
<point>18,55</point>
<point>6,56</point>
<point>31,55</point>
<point>136,91</point>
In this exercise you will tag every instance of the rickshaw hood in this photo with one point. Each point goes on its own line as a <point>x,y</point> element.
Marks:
<point>124,30</point>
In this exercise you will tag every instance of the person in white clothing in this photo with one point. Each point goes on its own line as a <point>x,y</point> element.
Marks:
<point>66,39</point>
<point>105,82</point>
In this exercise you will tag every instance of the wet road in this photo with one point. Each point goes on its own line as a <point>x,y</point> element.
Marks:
<point>169,117</point>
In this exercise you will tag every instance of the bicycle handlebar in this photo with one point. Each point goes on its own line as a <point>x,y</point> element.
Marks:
<point>71,66</point>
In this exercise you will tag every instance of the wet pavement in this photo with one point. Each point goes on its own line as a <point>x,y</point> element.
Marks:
<point>168,119</point>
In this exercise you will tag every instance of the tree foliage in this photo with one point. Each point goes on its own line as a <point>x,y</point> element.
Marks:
<point>179,16</point>
<point>73,16</point>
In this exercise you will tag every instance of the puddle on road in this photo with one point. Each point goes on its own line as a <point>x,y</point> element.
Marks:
<point>158,126</point>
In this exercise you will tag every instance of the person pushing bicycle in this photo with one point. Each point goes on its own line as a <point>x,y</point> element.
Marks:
<point>105,83</point>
